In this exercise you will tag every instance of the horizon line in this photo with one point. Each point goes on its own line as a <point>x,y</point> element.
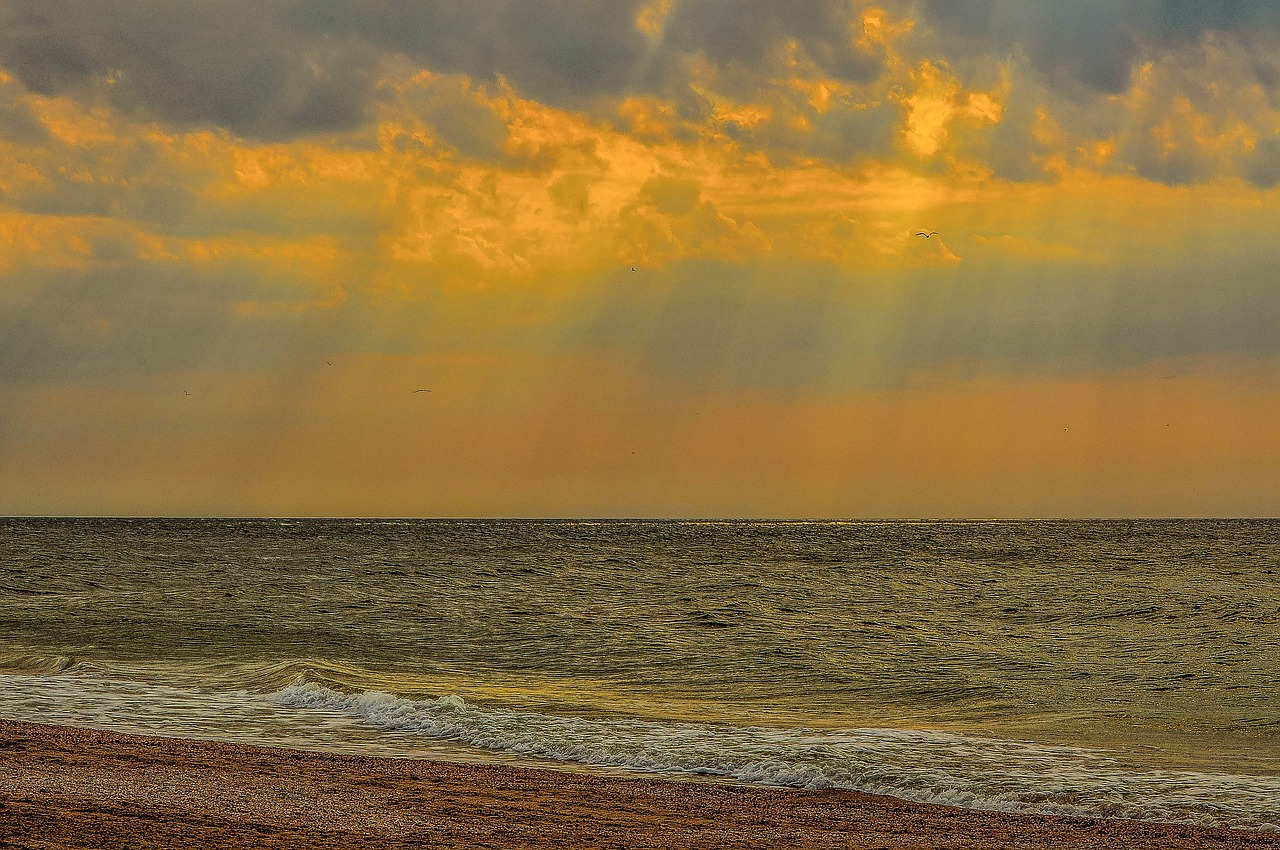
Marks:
<point>621,518</point>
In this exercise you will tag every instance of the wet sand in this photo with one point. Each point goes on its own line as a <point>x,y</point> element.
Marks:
<point>62,787</point>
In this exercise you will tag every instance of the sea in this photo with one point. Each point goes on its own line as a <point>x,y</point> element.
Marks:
<point>1106,669</point>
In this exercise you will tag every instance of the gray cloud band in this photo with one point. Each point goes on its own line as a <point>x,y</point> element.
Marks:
<point>279,69</point>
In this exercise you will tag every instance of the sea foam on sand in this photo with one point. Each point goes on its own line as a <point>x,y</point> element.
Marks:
<point>68,787</point>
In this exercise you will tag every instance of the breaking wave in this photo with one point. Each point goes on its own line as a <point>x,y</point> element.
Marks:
<point>925,766</point>
<point>34,664</point>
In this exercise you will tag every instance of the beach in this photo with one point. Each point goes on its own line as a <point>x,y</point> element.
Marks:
<point>634,683</point>
<point>69,787</point>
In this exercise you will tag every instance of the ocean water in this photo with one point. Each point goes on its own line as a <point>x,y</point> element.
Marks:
<point>1097,668</point>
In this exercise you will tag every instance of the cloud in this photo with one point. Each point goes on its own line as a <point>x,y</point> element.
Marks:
<point>462,186</point>
<point>1095,43</point>
<point>230,64</point>
<point>1188,113</point>
<point>554,50</point>
<point>277,69</point>
<point>1262,167</point>
<point>938,85</point>
<point>1082,278</point>
<point>746,37</point>
<point>1199,113</point>
<point>451,111</point>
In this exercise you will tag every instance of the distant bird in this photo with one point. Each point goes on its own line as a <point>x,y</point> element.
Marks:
<point>422,391</point>
<point>186,392</point>
<point>328,362</point>
<point>926,233</point>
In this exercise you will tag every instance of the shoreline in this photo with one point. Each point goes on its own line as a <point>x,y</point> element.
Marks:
<point>71,787</point>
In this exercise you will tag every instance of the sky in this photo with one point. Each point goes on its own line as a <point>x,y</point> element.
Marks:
<point>648,258</point>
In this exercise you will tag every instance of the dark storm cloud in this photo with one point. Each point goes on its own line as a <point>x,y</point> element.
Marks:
<point>567,51</point>
<point>278,69</point>
<point>1093,42</point>
<point>552,49</point>
<point>1190,18</point>
<point>18,124</point>
<point>1084,40</point>
<point>1263,168</point>
<point>225,63</point>
<point>746,35</point>
<point>281,68</point>
<point>229,64</point>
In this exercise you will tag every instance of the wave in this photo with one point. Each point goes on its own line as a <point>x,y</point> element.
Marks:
<point>338,675</point>
<point>36,664</point>
<point>264,677</point>
<point>925,766</point>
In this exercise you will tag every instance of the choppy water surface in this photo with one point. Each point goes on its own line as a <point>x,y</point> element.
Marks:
<point>1104,668</point>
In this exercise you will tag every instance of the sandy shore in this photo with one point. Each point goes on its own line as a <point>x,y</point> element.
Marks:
<point>63,787</point>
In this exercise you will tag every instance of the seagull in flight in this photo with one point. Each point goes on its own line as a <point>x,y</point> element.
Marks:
<point>926,233</point>
<point>422,391</point>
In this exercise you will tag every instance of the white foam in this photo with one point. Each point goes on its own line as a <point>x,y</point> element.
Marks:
<point>925,766</point>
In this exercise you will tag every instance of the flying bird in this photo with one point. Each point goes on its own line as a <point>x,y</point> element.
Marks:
<point>422,391</point>
<point>926,233</point>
